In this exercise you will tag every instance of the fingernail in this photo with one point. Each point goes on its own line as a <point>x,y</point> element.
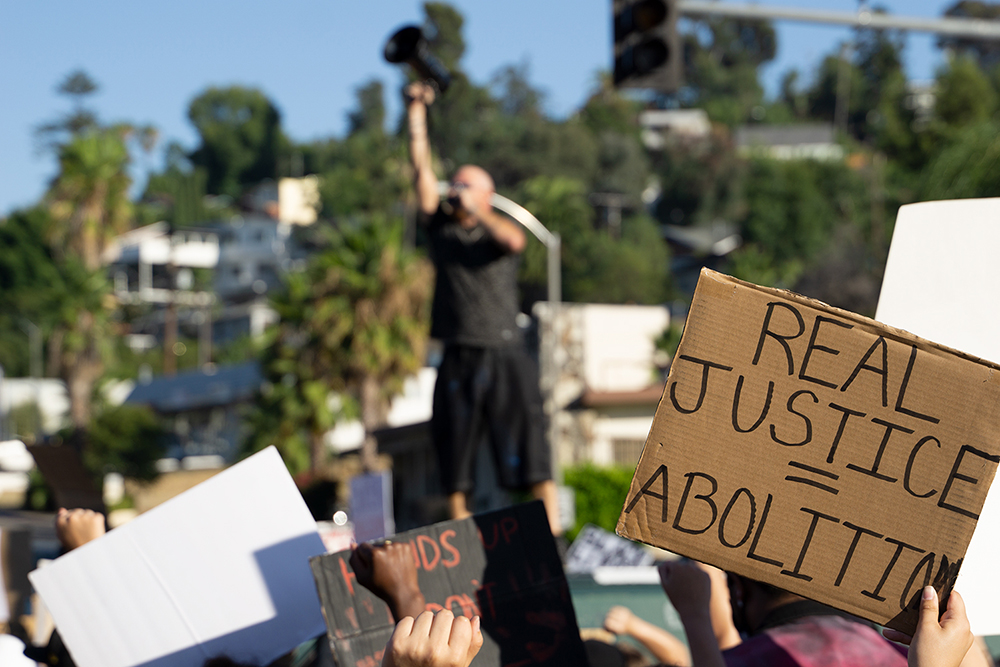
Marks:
<point>928,593</point>
<point>475,624</point>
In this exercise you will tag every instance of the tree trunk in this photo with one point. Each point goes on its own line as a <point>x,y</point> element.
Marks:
<point>80,380</point>
<point>371,418</point>
<point>317,452</point>
<point>81,371</point>
<point>54,361</point>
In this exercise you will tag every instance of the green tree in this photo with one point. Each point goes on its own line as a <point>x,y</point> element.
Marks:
<point>595,267</point>
<point>792,212</point>
<point>821,97</point>
<point>58,293</point>
<point>514,140</point>
<point>365,173</point>
<point>177,194</point>
<point>607,109</point>
<point>600,494</point>
<point>964,95</point>
<point>370,114</point>
<point>700,181</point>
<point>986,52</point>
<point>77,86</point>
<point>722,57</point>
<point>879,59</point>
<point>967,166</point>
<point>89,198</point>
<point>126,439</point>
<point>353,327</point>
<point>88,204</point>
<point>241,138</point>
<point>29,277</point>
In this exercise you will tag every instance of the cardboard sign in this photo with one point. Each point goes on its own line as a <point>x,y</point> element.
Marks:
<point>594,548</point>
<point>15,564</point>
<point>500,565</point>
<point>63,471</point>
<point>222,569</point>
<point>817,450</point>
<point>941,271</point>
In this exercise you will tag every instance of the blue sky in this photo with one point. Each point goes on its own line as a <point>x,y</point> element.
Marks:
<point>309,57</point>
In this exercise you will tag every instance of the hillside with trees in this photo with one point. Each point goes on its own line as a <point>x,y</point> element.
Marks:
<point>818,227</point>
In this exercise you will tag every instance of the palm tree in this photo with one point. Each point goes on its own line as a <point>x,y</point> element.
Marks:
<point>353,327</point>
<point>88,198</point>
<point>88,204</point>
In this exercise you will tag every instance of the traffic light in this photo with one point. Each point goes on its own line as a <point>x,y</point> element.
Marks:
<point>647,48</point>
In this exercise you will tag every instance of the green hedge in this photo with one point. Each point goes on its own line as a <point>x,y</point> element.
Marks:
<point>600,494</point>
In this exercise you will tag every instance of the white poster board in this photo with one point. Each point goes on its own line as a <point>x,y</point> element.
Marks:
<point>595,547</point>
<point>4,605</point>
<point>942,281</point>
<point>222,569</point>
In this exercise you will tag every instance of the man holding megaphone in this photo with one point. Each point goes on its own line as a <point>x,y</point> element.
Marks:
<point>487,384</point>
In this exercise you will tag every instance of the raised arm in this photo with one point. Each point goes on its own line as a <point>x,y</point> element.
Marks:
<point>689,589</point>
<point>504,231</point>
<point>387,569</point>
<point>76,527</point>
<point>666,648</point>
<point>474,189</point>
<point>418,96</point>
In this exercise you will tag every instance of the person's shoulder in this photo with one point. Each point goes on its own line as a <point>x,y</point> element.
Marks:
<point>759,650</point>
<point>835,641</point>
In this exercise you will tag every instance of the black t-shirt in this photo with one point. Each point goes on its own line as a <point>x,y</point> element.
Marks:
<point>475,290</point>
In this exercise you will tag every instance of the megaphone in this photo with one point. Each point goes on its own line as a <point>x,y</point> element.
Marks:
<point>409,46</point>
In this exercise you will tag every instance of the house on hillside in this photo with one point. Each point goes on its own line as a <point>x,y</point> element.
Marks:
<point>789,142</point>
<point>203,408</point>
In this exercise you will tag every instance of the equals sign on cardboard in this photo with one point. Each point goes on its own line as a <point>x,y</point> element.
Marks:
<point>812,482</point>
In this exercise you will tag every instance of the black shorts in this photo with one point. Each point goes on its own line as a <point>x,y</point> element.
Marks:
<point>493,393</point>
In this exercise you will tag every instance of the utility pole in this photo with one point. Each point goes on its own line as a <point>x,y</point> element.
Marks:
<point>842,108</point>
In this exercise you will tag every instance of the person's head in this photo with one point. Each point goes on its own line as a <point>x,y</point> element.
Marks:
<point>474,180</point>
<point>752,600</point>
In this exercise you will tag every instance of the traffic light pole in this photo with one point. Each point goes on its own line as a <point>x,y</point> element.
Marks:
<point>863,18</point>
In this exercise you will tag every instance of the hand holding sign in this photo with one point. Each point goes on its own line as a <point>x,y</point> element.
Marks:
<point>76,527</point>
<point>769,451</point>
<point>943,643</point>
<point>688,587</point>
<point>434,640</point>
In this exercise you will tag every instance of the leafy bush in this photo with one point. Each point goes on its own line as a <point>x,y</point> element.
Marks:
<point>127,439</point>
<point>600,494</point>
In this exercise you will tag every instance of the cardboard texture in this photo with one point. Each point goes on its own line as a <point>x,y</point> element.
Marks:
<point>500,565</point>
<point>222,569</point>
<point>63,471</point>
<point>816,450</point>
<point>5,599</point>
<point>15,563</point>
<point>941,271</point>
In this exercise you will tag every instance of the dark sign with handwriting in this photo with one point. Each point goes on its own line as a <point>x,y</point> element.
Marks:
<point>502,566</point>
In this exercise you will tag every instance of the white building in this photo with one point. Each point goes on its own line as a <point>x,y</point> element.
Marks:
<point>789,142</point>
<point>608,381</point>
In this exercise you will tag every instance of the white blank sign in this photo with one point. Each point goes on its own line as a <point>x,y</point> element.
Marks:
<point>222,569</point>
<point>942,281</point>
